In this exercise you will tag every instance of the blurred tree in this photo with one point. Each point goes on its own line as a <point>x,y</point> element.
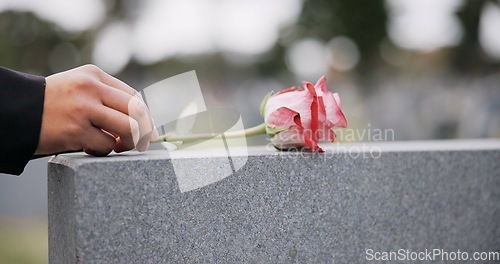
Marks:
<point>26,42</point>
<point>468,57</point>
<point>364,22</point>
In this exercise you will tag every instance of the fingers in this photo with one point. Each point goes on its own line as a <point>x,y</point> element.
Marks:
<point>139,112</point>
<point>115,83</point>
<point>133,126</point>
<point>98,142</point>
<point>120,125</point>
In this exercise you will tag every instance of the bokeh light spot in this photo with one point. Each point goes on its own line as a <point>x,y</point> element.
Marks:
<point>112,49</point>
<point>343,53</point>
<point>489,31</point>
<point>307,58</point>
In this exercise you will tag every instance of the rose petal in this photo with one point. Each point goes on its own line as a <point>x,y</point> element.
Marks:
<point>311,145</point>
<point>314,112</point>
<point>333,111</point>
<point>286,90</point>
<point>290,138</point>
<point>322,118</point>
<point>321,86</point>
<point>337,98</point>
<point>282,118</point>
<point>285,128</point>
<point>326,134</point>
<point>294,137</point>
<point>298,101</point>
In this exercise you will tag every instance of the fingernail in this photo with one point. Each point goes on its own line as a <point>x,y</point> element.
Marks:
<point>143,143</point>
<point>134,128</point>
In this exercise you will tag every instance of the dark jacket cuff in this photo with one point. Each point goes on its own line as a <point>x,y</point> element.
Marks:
<point>21,110</point>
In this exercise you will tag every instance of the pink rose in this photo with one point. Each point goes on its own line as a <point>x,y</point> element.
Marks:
<point>300,118</point>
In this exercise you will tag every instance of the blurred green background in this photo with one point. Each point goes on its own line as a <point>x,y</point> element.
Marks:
<point>425,69</point>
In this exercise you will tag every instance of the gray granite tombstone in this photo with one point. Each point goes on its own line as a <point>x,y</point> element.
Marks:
<point>264,206</point>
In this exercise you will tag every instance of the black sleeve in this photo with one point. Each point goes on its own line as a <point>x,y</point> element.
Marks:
<point>21,109</point>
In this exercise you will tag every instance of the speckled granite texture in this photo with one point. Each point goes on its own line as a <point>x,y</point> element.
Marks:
<point>279,208</point>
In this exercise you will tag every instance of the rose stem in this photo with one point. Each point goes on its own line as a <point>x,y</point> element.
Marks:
<point>249,132</point>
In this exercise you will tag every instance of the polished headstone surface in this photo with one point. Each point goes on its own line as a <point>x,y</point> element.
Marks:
<point>279,207</point>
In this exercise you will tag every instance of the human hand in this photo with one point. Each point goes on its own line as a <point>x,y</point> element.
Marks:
<point>87,109</point>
